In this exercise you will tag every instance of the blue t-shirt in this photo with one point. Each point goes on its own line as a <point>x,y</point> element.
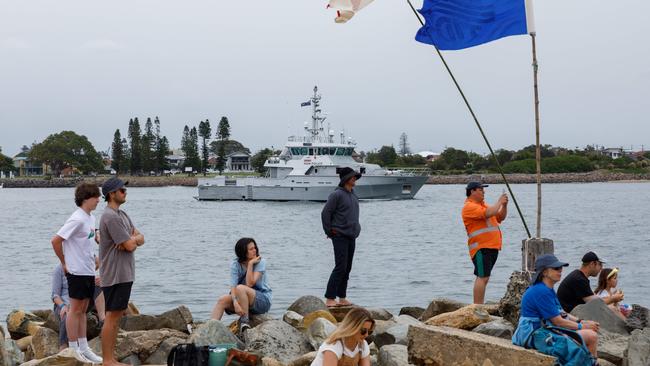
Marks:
<point>238,276</point>
<point>540,301</point>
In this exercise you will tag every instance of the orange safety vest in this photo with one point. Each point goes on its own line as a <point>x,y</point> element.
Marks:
<point>481,232</point>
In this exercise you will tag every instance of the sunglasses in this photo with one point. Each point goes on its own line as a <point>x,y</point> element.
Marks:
<point>122,190</point>
<point>367,331</point>
<point>556,268</point>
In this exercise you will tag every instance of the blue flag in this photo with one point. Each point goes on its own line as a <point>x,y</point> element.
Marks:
<point>304,104</point>
<point>458,24</point>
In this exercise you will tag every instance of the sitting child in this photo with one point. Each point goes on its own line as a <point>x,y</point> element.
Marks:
<point>607,282</point>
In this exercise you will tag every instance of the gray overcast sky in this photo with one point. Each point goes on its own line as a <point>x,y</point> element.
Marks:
<point>89,67</point>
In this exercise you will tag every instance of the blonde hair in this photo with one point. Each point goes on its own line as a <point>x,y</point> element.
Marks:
<point>351,324</point>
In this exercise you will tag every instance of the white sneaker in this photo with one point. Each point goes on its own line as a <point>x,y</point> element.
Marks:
<point>80,356</point>
<point>89,355</point>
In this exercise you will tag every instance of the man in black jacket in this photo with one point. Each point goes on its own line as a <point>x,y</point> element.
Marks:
<point>340,219</point>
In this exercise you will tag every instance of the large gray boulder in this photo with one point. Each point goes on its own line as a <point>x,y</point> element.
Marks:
<point>380,314</point>
<point>67,357</point>
<point>441,306</point>
<point>497,328</point>
<point>597,310</point>
<point>638,352</point>
<point>159,356</point>
<point>318,331</point>
<point>414,311</point>
<point>304,360</point>
<point>278,340</point>
<point>4,357</point>
<point>213,332</point>
<point>407,319</point>
<point>612,346</point>
<point>639,317</point>
<point>307,304</point>
<point>393,355</point>
<point>510,303</point>
<point>177,319</point>
<point>45,343</point>
<point>292,318</point>
<point>16,356</point>
<point>393,335</point>
<point>432,345</point>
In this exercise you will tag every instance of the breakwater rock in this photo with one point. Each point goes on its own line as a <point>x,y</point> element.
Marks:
<point>134,181</point>
<point>293,339</point>
<point>590,177</point>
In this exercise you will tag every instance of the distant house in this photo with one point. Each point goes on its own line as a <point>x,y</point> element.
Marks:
<point>175,161</point>
<point>27,167</point>
<point>429,155</point>
<point>613,152</point>
<point>238,161</point>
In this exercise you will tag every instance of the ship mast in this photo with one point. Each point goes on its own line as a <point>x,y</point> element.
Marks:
<point>316,132</point>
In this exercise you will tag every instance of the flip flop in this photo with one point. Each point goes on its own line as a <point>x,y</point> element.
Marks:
<point>339,305</point>
<point>332,306</point>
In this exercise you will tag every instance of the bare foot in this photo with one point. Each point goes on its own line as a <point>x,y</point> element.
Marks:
<point>330,303</point>
<point>344,302</point>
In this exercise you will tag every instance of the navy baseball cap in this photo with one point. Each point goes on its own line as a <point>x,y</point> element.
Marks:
<point>474,185</point>
<point>546,261</point>
<point>112,185</point>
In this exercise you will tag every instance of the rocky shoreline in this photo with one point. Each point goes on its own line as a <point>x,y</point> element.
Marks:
<point>591,177</point>
<point>134,181</point>
<point>447,332</point>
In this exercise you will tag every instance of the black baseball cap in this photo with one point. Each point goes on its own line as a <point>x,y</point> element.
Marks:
<point>591,257</point>
<point>112,185</point>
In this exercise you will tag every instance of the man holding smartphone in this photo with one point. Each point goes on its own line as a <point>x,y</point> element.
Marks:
<point>484,237</point>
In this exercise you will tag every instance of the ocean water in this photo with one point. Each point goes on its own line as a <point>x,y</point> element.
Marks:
<point>408,253</point>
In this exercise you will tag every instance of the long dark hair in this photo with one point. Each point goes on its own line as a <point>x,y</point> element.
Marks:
<point>241,249</point>
<point>602,279</point>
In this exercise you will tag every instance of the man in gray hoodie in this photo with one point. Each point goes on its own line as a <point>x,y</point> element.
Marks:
<point>340,218</point>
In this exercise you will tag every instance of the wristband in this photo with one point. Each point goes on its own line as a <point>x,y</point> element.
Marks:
<point>578,320</point>
<point>579,326</point>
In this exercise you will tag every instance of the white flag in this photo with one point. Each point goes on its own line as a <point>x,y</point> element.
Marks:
<point>345,9</point>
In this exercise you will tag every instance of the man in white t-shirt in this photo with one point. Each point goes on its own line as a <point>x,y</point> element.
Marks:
<point>74,244</point>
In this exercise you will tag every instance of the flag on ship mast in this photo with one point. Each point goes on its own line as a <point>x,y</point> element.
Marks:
<point>459,24</point>
<point>305,104</point>
<point>345,9</point>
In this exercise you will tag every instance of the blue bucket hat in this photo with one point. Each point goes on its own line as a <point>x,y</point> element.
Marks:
<point>546,261</point>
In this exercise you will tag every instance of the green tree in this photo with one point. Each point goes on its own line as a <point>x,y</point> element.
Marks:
<point>162,148</point>
<point>135,139</point>
<point>6,163</point>
<point>455,159</point>
<point>258,160</point>
<point>223,131</point>
<point>223,134</point>
<point>204,131</point>
<point>117,155</point>
<point>386,156</point>
<point>67,149</point>
<point>148,146</point>
<point>230,146</point>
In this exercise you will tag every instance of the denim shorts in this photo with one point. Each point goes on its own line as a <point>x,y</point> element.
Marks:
<point>262,303</point>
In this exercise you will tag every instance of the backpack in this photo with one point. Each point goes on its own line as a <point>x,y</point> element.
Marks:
<point>188,354</point>
<point>564,344</point>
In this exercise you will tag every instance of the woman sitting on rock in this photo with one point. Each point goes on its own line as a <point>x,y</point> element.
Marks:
<point>540,308</point>
<point>347,345</point>
<point>250,291</point>
<point>607,282</point>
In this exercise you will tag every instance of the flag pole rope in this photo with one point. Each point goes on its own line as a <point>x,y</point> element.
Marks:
<point>471,111</point>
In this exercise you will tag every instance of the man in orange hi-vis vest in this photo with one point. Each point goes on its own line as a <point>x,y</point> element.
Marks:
<point>483,234</point>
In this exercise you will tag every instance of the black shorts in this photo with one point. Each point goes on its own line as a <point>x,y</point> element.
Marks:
<point>117,297</point>
<point>80,287</point>
<point>484,260</point>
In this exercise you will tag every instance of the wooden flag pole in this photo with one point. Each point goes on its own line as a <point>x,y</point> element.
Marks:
<point>538,150</point>
<point>478,125</point>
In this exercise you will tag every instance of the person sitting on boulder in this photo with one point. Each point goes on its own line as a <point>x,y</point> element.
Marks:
<point>540,306</point>
<point>250,291</point>
<point>607,282</point>
<point>347,345</point>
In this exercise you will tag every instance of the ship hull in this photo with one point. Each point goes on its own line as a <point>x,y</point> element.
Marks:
<point>303,188</point>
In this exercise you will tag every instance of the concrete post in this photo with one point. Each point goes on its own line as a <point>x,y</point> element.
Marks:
<point>531,249</point>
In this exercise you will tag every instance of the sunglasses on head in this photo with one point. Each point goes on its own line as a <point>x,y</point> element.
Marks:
<point>365,331</point>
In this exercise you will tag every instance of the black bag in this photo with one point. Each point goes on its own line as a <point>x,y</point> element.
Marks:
<point>188,354</point>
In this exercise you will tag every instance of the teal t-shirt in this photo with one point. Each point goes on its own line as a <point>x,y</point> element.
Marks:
<point>238,276</point>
